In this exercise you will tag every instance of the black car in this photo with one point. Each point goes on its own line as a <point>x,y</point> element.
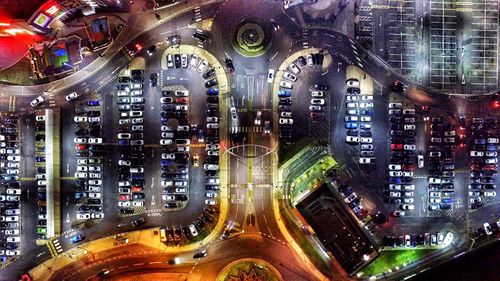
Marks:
<point>398,87</point>
<point>302,61</point>
<point>211,82</point>
<point>212,99</point>
<point>285,101</point>
<point>320,87</point>
<point>151,50</point>
<point>209,74</point>
<point>177,60</point>
<point>127,211</point>
<point>202,37</point>
<point>138,222</point>
<point>229,65</point>
<point>181,197</point>
<point>124,79</point>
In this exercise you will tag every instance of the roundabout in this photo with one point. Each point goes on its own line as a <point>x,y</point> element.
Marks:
<point>249,270</point>
<point>251,38</point>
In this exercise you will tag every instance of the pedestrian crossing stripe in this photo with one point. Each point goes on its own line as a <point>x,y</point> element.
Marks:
<point>52,249</point>
<point>247,129</point>
<point>27,179</point>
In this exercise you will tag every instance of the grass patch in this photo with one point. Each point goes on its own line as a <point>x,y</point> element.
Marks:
<point>246,267</point>
<point>389,260</point>
<point>18,74</point>
<point>306,246</point>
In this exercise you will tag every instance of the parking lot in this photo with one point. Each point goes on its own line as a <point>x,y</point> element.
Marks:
<point>10,189</point>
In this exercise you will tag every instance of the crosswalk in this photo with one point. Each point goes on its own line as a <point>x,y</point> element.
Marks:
<point>197,13</point>
<point>54,247</point>
<point>242,129</point>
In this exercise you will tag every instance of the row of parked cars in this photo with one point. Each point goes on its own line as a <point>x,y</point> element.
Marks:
<point>211,163</point>
<point>89,149</point>
<point>130,136</point>
<point>441,157</point>
<point>40,175</point>
<point>487,230</point>
<point>484,157</point>
<point>354,202</point>
<point>359,112</point>
<point>10,190</point>
<point>358,120</point>
<point>401,167</point>
<point>175,141</point>
<point>414,240</point>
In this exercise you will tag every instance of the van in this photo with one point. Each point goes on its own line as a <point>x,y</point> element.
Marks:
<point>477,120</point>
<point>137,170</point>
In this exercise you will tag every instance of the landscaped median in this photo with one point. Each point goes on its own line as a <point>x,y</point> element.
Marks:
<point>389,261</point>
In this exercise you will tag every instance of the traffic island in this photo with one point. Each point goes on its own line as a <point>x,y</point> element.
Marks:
<point>251,38</point>
<point>249,270</point>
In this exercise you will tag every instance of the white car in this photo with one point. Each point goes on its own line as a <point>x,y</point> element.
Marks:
<point>287,121</point>
<point>81,168</point>
<point>270,76</point>
<point>287,75</point>
<point>95,182</point>
<point>192,228</point>
<point>366,104</point>
<point>407,207</point>
<point>95,140</point>
<point>81,161</point>
<point>365,119</point>
<point>317,101</point>
<point>81,175</point>
<point>409,127</point>
<point>477,153</point>
<point>294,68</point>
<point>420,160</point>
<point>409,187</point>
<point>124,204</point>
<point>79,140</point>
<point>352,83</point>
<point>203,65</point>
<point>80,119</point>
<point>71,96</point>
<point>210,194</point>
<point>434,194</point>
<point>309,59</point>
<point>317,94</point>
<point>395,105</point>
<point>12,232</point>
<point>286,85</point>
<point>96,195</point>
<point>36,102</point>
<point>194,60</point>
<point>124,136</point>
<point>366,160</point>
<point>366,97</point>
<point>394,187</point>
<point>137,203</point>
<point>434,180</point>
<point>95,175</point>
<point>352,98</point>
<point>184,60</point>
<point>97,215</point>
<point>168,197</point>
<point>394,194</point>
<point>435,200</point>
<point>124,162</point>
<point>366,140</point>
<point>395,167</point>
<point>395,173</point>
<point>409,147</point>
<point>83,216</point>
<point>351,139</point>
<point>166,141</point>
<point>489,193</point>
<point>352,105</point>
<point>40,118</point>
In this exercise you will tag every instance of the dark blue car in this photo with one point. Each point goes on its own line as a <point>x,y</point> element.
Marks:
<point>212,91</point>
<point>351,125</point>
<point>284,93</point>
<point>165,162</point>
<point>447,200</point>
<point>395,180</point>
<point>94,102</point>
<point>368,112</point>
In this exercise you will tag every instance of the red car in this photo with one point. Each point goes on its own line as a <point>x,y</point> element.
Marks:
<point>80,146</point>
<point>408,167</point>
<point>137,188</point>
<point>475,167</point>
<point>490,167</point>
<point>181,100</point>
<point>396,146</point>
<point>124,197</point>
<point>362,214</point>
